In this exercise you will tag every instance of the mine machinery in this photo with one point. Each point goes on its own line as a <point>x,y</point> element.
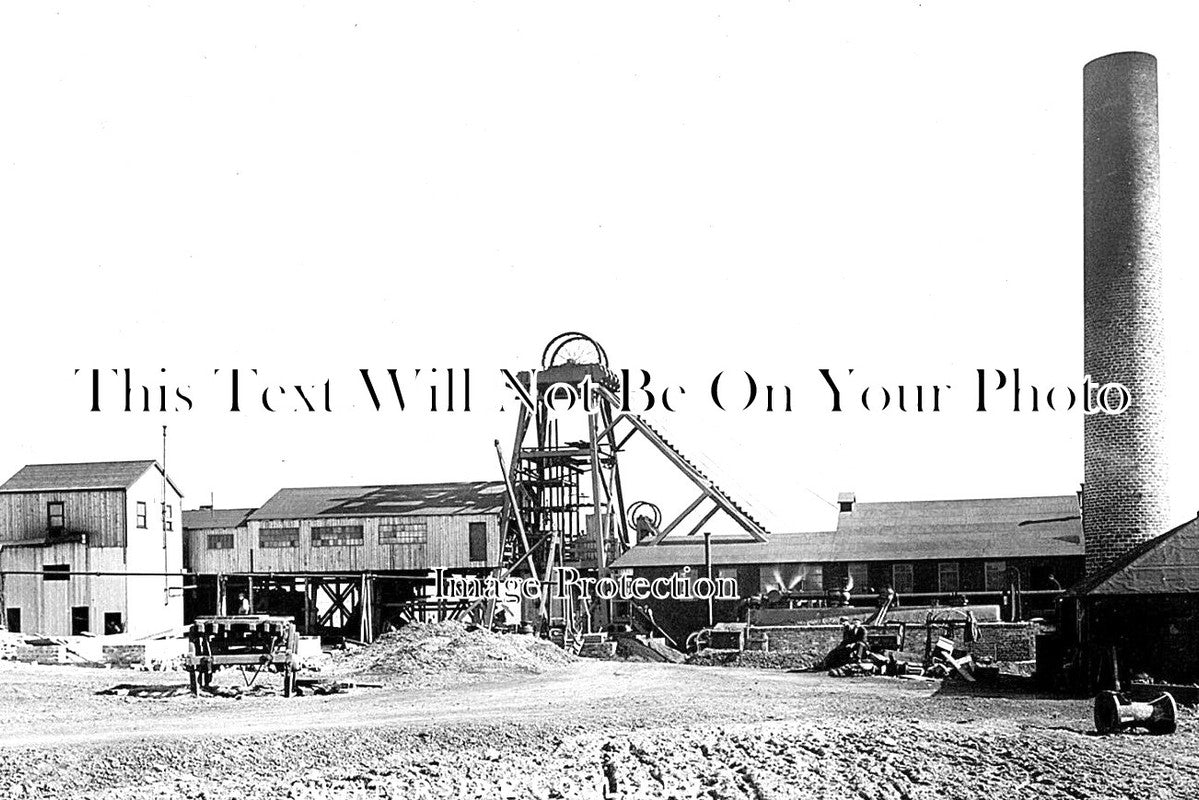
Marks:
<point>646,519</point>
<point>252,643</point>
<point>567,504</point>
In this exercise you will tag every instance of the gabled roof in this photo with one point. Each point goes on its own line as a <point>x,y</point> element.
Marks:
<point>1168,564</point>
<point>998,528</point>
<point>90,475</point>
<point>431,499</point>
<point>208,518</point>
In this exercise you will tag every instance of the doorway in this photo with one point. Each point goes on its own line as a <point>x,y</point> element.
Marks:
<point>80,620</point>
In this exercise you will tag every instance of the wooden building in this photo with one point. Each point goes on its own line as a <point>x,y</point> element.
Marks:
<point>86,548</point>
<point>938,551</point>
<point>213,538</point>
<point>344,560</point>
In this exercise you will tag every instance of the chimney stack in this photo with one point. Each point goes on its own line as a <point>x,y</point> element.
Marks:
<point>1124,455</point>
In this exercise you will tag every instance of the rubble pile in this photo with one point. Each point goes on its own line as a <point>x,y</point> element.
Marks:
<point>422,650</point>
<point>754,659</point>
<point>10,643</point>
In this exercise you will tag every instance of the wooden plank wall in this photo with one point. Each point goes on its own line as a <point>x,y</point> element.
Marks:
<point>152,608</point>
<point>447,546</point>
<point>211,562</point>
<point>46,605</point>
<point>99,513</point>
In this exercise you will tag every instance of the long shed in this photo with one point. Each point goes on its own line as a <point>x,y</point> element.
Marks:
<point>345,559</point>
<point>353,529</point>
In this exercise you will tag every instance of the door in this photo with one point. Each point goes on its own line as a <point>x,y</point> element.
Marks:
<point>56,611</point>
<point>81,617</point>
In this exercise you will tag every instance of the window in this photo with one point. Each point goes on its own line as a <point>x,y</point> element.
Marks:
<point>141,514</point>
<point>726,580</point>
<point>478,541</point>
<point>995,576</point>
<point>902,580</point>
<point>278,537</point>
<point>80,620</point>
<point>334,535</point>
<point>813,579</point>
<point>404,532</point>
<point>860,574</point>
<point>947,576</point>
<point>55,516</point>
<point>113,623</point>
<point>12,617</point>
<point>168,522</point>
<point>220,541</point>
<point>56,572</point>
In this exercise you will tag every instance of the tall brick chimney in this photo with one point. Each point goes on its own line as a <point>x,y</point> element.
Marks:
<point>1124,500</point>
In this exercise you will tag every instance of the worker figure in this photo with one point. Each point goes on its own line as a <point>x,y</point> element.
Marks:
<point>853,644</point>
<point>857,640</point>
<point>499,619</point>
<point>243,605</point>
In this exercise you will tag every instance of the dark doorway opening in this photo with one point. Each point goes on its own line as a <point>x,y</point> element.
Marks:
<point>80,620</point>
<point>12,619</point>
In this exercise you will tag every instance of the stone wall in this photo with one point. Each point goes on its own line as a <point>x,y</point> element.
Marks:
<point>94,651</point>
<point>806,645</point>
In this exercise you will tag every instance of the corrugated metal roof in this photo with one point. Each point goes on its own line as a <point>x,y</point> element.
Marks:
<point>207,518</point>
<point>1168,564</point>
<point>86,475</point>
<point>485,497</point>
<point>997,528</point>
<point>780,548</point>
<point>1004,527</point>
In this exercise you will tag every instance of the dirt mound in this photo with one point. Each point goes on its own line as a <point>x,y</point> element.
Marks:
<point>755,659</point>
<point>443,649</point>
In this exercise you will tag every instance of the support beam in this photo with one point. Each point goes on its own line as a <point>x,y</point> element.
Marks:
<point>703,521</point>
<point>675,522</point>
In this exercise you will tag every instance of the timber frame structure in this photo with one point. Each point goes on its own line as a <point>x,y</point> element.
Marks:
<point>566,503</point>
<point>357,606</point>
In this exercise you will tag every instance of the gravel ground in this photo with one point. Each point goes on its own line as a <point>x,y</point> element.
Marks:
<point>587,729</point>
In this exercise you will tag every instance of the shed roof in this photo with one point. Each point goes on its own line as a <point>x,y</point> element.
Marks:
<point>780,548</point>
<point>427,499</point>
<point>90,475</point>
<point>1168,564</point>
<point>208,518</point>
<point>996,528</point>
<point>1003,527</point>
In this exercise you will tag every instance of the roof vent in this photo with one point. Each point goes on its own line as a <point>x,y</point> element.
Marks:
<point>845,502</point>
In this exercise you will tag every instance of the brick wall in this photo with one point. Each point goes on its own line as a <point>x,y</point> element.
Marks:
<point>1124,458</point>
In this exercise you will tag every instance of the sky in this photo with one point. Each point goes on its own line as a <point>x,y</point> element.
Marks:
<point>309,190</point>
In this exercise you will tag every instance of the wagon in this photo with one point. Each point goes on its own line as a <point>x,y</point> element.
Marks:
<point>254,644</point>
